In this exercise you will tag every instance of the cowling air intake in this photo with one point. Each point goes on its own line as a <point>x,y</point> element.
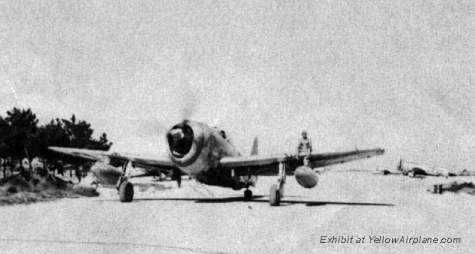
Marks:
<point>185,142</point>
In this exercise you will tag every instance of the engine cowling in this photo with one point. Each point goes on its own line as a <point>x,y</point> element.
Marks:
<point>306,177</point>
<point>185,142</point>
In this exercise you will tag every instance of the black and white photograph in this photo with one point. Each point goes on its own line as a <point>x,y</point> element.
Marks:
<point>259,126</point>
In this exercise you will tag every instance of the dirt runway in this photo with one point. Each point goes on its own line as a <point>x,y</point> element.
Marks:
<point>203,219</point>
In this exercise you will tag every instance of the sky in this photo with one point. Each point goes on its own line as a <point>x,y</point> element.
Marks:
<point>354,74</point>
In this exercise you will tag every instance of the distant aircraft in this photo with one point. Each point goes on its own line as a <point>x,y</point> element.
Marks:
<point>417,170</point>
<point>203,153</point>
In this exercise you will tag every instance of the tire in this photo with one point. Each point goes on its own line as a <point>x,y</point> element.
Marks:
<point>126,192</point>
<point>440,189</point>
<point>247,195</point>
<point>281,192</point>
<point>274,195</point>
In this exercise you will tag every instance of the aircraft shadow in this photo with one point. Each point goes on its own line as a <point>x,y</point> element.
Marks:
<point>258,199</point>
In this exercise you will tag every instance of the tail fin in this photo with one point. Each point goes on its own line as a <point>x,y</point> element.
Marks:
<point>255,147</point>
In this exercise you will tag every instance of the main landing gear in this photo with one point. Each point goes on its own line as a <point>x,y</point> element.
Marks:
<point>247,195</point>
<point>277,190</point>
<point>124,187</point>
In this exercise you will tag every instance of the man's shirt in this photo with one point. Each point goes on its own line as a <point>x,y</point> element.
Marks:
<point>305,146</point>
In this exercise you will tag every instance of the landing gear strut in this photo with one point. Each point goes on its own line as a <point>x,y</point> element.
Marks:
<point>247,195</point>
<point>124,187</point>
<point>277,190</point>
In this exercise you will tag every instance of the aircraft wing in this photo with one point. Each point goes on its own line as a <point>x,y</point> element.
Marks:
<point>268,165</point>
<point>326,159</point>
<point>153,165</point>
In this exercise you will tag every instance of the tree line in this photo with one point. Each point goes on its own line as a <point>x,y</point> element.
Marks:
<point>21,136</point>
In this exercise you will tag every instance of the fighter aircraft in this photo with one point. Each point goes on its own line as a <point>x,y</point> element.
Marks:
<point>417,170</point>
<point>205,154</point>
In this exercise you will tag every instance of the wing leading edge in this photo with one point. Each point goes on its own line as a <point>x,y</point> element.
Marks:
<point>266,165</point>
<point>153,164</point>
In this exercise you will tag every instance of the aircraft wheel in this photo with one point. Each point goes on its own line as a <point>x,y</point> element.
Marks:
<point>274,195</point>
<point>247,195</point>
<point>126,192</point>
<point>439,189</point>
<point>281,192</point>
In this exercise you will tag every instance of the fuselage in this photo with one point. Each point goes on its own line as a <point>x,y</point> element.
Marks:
<point>196,149</point>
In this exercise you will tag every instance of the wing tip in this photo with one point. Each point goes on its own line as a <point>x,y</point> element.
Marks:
<point>55,148</point>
